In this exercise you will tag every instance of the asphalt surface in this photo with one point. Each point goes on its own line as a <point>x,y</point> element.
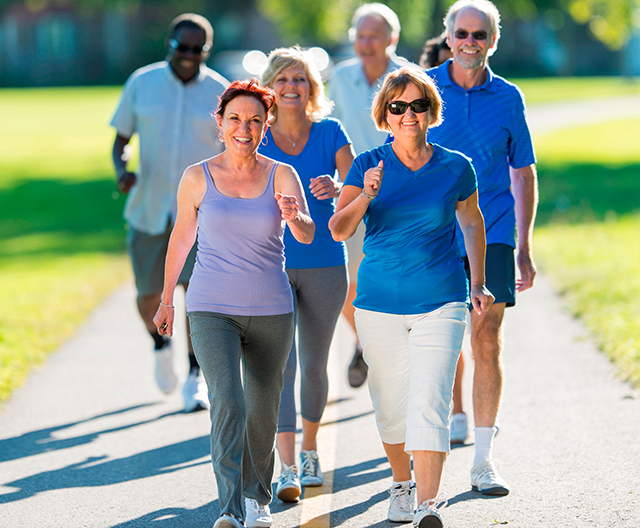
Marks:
<point>90,442</point>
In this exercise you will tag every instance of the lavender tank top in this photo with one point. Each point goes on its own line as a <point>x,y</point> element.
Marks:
<point>240,261</point>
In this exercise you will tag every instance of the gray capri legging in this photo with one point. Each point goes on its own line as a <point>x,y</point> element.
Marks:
<point>318,294</point>
<point>244,407</point>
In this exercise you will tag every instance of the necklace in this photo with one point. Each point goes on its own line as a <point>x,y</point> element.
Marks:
<point>288,138</point>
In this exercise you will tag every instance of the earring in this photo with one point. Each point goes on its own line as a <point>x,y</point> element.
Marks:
<point>265,140</point>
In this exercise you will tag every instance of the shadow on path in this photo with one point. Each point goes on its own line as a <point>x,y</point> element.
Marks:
<point>96,471</point>
<point>43,441</point>
<point>204,516</point>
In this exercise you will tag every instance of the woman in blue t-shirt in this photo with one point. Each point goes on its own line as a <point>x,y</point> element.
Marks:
<point>316,146</point>
<point>412,290</point>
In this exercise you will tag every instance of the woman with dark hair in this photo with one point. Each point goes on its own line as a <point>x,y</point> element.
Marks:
<point>436,51</point>
<point>239,301</point>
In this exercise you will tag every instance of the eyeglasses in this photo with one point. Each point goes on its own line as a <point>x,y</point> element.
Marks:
<point>183,48</point>
<point>400,107</point>
<point>462,34</point>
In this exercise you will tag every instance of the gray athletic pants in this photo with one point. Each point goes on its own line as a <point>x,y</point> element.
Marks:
<point>244,408</point>
<point>319,294</point>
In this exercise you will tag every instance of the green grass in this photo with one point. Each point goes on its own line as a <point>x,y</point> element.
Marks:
<point>547,90</point>
<point>588,230</point>
<point>60,220</point>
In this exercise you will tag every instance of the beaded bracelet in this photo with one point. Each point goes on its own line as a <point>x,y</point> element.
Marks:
<point>368,196</point>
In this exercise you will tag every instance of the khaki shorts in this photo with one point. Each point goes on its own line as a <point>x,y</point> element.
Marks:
<point>354,249</point>
<point>148,253</point>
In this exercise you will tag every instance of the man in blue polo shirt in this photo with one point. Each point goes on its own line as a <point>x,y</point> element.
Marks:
<point>485,118</point>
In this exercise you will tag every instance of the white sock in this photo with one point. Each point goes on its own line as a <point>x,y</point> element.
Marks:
<point>409,483</point>
<point>484,443</point>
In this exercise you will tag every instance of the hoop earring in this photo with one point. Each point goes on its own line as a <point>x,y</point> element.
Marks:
<point>264,141</point>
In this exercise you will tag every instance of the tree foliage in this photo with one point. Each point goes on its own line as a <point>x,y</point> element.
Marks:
<point>327,22</point>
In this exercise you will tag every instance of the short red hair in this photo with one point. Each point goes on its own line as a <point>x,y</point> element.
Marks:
<point>250,88</point>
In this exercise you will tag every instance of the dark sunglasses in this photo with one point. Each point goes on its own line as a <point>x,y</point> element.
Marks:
<point>183,48</point>
<point>462,34</point>
<point>400,107</point>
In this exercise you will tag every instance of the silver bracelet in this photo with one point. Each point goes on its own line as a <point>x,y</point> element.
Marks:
<point>167,305</point>
<point>368,196</point>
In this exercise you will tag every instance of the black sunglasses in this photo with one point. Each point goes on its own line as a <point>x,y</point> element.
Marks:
<point>183,48</point>
<point>462,34</point>
<point>400,107</point>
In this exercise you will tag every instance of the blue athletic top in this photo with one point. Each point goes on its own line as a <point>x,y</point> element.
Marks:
<point>240,260</point>
<point>412,263</point>
<point>316,159</point>
<point>488,123</point>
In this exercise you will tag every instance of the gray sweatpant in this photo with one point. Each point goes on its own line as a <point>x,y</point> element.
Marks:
<point>244,408</point>
<point>318,294</point>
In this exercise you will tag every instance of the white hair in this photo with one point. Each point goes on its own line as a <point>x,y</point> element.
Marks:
<point>483,6</point>
<point>387,14</point>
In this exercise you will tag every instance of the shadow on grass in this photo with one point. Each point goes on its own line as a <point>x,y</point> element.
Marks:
<point>586,192</point>
<point>61,217</point>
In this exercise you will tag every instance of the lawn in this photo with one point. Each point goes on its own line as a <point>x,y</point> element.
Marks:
<point>546,90</point>
<point>60,220</point>
<point>588,229</point>
<point>62,233</point>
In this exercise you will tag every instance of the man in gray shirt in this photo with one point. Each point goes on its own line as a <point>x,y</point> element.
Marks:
<point>168,104</point>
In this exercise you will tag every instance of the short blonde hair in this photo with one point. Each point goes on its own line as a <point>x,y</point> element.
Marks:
<point>318,106</point>
<point>394,84</point>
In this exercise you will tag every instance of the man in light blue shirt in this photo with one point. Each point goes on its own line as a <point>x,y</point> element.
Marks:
<point>375,30</point>
<point>485,118</point>
<point>168,104</point>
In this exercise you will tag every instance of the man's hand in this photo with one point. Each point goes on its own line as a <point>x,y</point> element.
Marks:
<point>125,181</point>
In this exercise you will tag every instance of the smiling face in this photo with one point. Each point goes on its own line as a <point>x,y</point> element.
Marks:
<point>373,37</point>
<point>243,125</point>
<point>409,124</point>
<point>292,89</point>
<point>469,52</point>
<point>186,64</point>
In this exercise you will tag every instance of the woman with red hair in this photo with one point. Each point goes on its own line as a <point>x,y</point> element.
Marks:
<point>239,300</point>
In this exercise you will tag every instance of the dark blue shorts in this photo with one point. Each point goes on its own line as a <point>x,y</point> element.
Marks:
<point>500,271</point>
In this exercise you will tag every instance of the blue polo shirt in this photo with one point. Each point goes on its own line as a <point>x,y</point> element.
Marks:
<point>318,157</point>
<point>488,124</point>
<point>412,264</point>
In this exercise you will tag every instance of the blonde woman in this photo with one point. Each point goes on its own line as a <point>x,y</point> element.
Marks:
<point>317,147</point>
<point>412,296</point>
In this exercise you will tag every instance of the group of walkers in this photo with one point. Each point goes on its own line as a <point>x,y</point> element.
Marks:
<point>436,170</point>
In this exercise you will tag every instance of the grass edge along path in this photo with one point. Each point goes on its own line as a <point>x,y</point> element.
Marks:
<point>47,300</point>
<point>594,266</point>
<point>589,250</point>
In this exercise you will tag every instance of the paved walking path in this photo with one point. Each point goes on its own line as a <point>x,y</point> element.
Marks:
<point>90,442</point>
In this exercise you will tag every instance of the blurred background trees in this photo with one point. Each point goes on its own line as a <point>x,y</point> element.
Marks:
<point>49,42</point>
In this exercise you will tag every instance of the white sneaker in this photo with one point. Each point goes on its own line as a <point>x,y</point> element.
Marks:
<point>257,515</point>
<point>401,502</point>
<point>289,488</point>
<point>194,393</point>
<point>310,473</point>
<point>228,521</point>
<point>486,480</point>
<point>459,428</point>
<point>427,514</point>
<point>165,375</point>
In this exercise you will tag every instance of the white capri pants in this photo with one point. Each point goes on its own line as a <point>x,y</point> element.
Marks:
<point>412,365</point>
